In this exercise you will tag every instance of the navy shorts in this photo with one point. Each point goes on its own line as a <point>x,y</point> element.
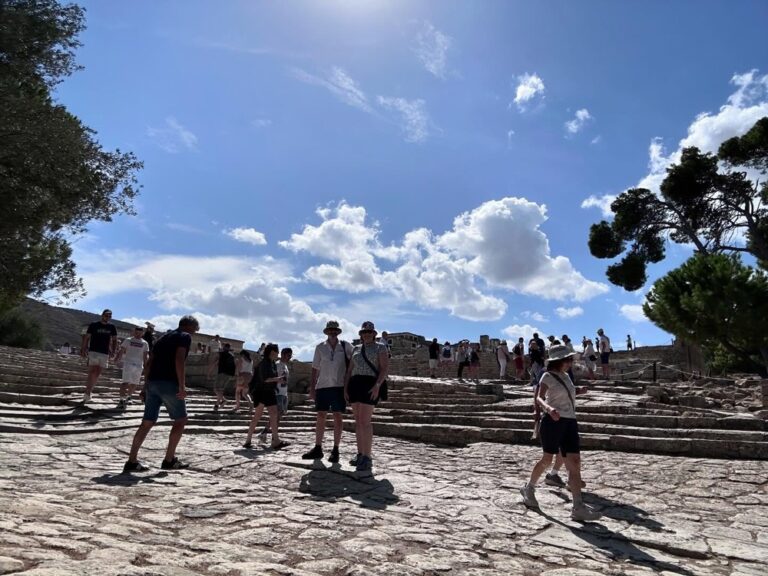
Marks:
<point>360,387</point>
<point>163,393</point>
<point>605,357</point>
<point>561,436</point>
<point>330,399</point>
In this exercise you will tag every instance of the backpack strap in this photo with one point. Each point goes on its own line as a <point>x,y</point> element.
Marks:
<point>564,385</point>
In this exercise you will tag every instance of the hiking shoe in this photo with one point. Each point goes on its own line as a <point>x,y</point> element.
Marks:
<point>247,445</point>
<point>334,457</point>
<point>364,463</point>
<point>174,464</point>
<point>356,459</point>
<point>554,479</point>
<point>86,397</point>
<point>121,404</point>
<point>216,407</point>
<point>529,496</point>
<point>315,454</point>
<point>584,514</point>
<point>263,437</point>
<point>134,467</point>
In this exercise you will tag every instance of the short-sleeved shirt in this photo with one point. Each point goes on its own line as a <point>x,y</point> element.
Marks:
<point>282,386</point>
<point>264,371</point>
<point>214,345</point>
<point>605,344</point>
<point>557,396</point>
<point>133,350</point>
<point>502,352</point>
<point>434,351</point>
<point>163,365</point>
<point>331,364</point>
<point>101,335</point>
<point>518,350</point>
<point>360,366</point>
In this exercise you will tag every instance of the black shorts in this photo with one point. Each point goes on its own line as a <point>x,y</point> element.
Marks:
<point>360,389</point>
<point>561,436</point>
<point>605,358</point>
<point>264,395</point>
<point>330,399</point>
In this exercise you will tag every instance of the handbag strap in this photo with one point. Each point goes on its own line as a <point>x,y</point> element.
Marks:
<point>370,364</point>
<point>564,385</point>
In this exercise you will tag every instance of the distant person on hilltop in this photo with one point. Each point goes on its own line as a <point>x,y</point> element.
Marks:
<point>474,362</point>
<point>99,344</point>
<point>446,355</point>
<point>462,359</point>
<point>589,357</point>
<point>434,356</point>
<point>604,346</point>
<point>629,342</point>
<point>519,353</point>
<point>502,356</point>
<point>166,385</point>
<point>134,353</point>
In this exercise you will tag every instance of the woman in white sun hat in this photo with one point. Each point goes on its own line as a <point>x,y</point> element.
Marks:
<point>559,430</point>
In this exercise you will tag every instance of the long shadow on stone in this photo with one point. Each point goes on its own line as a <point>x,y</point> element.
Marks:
<point>253,453</point>
<point>124,479</point>
<point>625,512</point>
<point>613,544</point>
<point>330,484</point>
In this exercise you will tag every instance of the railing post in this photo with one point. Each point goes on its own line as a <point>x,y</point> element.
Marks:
<point>654,372</point>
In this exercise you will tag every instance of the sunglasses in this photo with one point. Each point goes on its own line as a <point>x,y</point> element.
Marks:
<point>367,331</point>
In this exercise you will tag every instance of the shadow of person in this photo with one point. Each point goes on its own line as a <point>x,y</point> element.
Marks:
<point>127,479</point>
<point>331,484</point>
<point>614,545</point>
<point>621,511</point>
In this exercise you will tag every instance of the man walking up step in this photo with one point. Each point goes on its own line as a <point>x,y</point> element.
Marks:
<point>134,353</point>
<point>166,385</point>
<point>326,388</point>
<point>99,343</point>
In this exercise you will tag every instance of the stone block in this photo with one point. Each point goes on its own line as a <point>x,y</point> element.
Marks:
<point>764,392</point>
<point>692,401</point>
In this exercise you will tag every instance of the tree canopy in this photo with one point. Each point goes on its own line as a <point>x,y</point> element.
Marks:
<point>54,175</point>
<point>714,300</point>
<point>698,204</point>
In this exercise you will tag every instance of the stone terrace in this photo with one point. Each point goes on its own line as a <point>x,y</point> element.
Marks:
<point>429,509</point>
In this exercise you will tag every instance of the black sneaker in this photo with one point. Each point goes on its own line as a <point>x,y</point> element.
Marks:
<point>174,464</point>
<point>334,457</point>
<point>134,467</point>
<point>315,454</point>
<point>355,460</point>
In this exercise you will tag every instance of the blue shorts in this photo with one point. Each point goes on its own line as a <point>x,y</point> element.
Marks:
<point>282,404</point>
<point>163,392</point>
<point>330,399</point>
<point>605,358</point>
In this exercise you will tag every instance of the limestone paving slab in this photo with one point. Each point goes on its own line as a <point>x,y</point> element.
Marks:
<point>65,508</point>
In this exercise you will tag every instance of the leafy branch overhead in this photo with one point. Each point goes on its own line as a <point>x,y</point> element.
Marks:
<point>698,204</point>
<point>54,175</point>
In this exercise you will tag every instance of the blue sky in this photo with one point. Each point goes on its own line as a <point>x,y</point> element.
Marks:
<point>431,166</point>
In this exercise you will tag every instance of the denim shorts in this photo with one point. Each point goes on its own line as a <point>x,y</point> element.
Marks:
<point>163,392</point>
<point>330,399</point>
<point>282,404</point>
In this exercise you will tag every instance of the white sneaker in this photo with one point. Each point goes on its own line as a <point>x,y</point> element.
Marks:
<point>584,514</point>
<point>529,496</point>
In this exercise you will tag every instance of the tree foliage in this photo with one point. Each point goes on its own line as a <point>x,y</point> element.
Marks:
<point>54,175</point>
<point>697,204</point>
<point>17,329</point>
<point>716,301</point>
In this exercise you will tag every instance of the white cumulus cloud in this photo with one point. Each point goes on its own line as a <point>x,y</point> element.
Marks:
<point>529,87</point>
<point>432,49</point>
<point>576,125</point>
<point>535,316</point>
<point>247,235</point>
<point>566,313</point>
<point>633,312</point>
<point>515,331</point>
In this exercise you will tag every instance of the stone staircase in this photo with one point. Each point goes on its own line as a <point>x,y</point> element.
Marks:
<point>41,392</point>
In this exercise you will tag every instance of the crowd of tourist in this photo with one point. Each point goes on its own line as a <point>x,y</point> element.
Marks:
<point>343,374</point>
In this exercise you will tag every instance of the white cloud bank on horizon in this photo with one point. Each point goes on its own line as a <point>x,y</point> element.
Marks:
<point>742,109</point>
<point>515,331</point>
<point>633,312</point>
<point>449,270</point>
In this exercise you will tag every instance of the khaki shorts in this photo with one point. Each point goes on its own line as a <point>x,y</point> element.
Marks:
<point>98,359</point>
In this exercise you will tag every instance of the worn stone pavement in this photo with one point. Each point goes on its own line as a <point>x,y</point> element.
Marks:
<point>65,509</point>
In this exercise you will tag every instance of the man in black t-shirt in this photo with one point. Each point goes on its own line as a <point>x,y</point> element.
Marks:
<point>99,344</point>
<point>166,385</point>
<point>225,375</point>
<point>434,356</point>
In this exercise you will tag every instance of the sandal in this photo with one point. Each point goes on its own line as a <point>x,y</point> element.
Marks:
<point>281,444</point>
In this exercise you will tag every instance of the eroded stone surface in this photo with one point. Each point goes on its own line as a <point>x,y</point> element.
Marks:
<point>66,509</point>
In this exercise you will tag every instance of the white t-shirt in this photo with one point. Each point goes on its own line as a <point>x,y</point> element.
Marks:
<point>214,345</point>
<point>282,386</point>
<point>502,352</point>
<point>605,344</point>
<point>330,363</point>
<point>133,350</point>
<point>557,396</point>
